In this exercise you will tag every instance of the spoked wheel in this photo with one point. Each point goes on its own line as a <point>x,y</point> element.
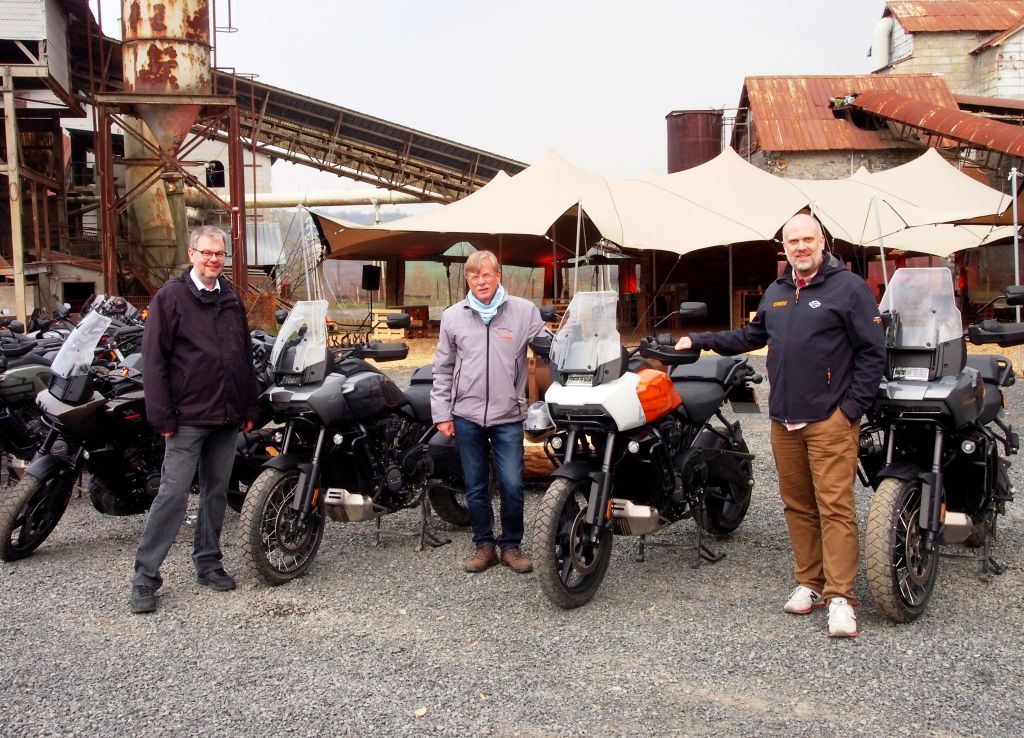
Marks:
<point>901,574</point>
<point>30,511</point>
<point>570,567</point>
<point>277,544</point>
<point>449,502</point>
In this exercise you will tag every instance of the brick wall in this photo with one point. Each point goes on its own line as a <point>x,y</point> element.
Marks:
<point>947,54</point>
<point>999,71</point>
<point>830,164</point>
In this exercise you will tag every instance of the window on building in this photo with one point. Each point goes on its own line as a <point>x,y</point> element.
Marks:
<point>214,174</point>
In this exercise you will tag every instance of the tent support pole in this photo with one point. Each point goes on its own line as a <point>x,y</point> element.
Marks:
<point>881,244</point>
<point>732,317</point>
<point>1016,252</point>
<point>579,227</point>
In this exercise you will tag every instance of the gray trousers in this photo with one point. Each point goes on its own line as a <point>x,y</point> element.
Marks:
<point>212,449</point>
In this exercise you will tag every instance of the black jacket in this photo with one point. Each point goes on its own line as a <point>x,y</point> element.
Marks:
<point>197,358</point>
<point>826,348</point>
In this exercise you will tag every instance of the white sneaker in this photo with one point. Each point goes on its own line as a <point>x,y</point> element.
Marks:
<point>802,600</point>
<point>842,620</point>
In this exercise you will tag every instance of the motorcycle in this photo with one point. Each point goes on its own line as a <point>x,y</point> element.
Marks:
<point>354,447</point>
<point>935,443</point>
<point>635,448</point>
<point>96,421</point>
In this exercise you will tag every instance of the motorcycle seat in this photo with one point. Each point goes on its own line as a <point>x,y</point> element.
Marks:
<point>423,375</point>
<point>990,369</point>
<point>418,397</point>
<point>714,368</point>
<point>700,399</point>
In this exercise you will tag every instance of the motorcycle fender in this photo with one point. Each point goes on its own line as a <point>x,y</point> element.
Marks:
<point>283,462</point>
<point>50,465</point>
<point>576,470</point>
<point>906,471</point>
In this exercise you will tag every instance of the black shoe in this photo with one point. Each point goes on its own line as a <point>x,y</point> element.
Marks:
<point>143,599</point>
<point>218,580</point>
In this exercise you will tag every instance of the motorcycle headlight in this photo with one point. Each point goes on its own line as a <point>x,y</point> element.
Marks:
<point>539,424</point>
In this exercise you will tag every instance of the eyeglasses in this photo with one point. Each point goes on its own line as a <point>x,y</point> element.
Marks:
<point>209,255</point>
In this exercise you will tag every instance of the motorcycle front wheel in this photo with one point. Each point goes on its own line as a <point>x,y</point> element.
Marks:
<point>277,544</point>
<point>569,566</point>
<point>901,574</point>
<point>30,511</point>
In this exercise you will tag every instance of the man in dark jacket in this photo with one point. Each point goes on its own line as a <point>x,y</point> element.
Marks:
<point>200,390</point>
<point>826,355</point>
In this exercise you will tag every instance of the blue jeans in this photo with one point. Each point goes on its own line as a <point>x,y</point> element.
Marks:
<point>503,443</point>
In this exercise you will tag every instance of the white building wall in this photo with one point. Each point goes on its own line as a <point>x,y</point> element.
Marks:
<point>57,44</point>
<point>22,20</point>
<point>947,54</point>
<point>1009,68</point>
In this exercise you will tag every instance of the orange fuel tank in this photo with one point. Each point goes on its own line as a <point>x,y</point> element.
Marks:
<point>657,394</point>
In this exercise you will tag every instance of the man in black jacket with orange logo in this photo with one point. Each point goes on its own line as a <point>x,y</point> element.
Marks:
<point>826,355</point>
<point>200,390</point>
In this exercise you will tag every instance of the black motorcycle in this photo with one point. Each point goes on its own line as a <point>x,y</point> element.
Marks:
<point>635,448</point>
<point>354,447</point>
<point>935,443</point>
<point>96,422</point>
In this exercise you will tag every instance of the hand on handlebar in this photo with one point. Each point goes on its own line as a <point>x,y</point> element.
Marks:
<point>683,344</point>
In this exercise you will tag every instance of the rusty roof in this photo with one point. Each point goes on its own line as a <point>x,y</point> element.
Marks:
<point>999,38</point>
<point>795,113</point>
<point>983,133</point>
<point>936,16</point>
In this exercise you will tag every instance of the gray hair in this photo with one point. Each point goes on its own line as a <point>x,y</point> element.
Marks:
<point>475,261</point>
<point>211,232</point>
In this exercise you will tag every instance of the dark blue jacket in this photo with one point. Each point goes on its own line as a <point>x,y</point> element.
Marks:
<point>826,348</point>
<point>197,358</point>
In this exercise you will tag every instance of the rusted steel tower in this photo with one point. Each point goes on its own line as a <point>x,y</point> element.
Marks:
<point>168,83</point>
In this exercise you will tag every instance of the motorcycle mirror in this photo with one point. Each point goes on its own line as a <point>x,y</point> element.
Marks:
<point>1015,295</point>
<point>399,320</point>
<point>16,326</point>
<point>280,315</point>
<point>693,309</point>
<point>548,314</point>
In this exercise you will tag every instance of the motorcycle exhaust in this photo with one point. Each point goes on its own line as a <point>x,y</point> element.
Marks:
<point>634,520</point>
<point>957,527</point>
<point>348,507</point>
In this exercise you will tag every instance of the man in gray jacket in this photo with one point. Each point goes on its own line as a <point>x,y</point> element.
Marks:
<point>479,396</point>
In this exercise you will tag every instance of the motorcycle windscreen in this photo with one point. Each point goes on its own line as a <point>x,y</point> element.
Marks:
<point>924,301</point>
<point>302,340</point>
<point>588,338</point>
<point>77,353</point>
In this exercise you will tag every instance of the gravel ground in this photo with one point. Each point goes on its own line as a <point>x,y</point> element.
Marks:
<point>385,641</point>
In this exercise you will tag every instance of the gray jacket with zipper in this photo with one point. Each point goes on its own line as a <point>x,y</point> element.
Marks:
<point>480,370</point>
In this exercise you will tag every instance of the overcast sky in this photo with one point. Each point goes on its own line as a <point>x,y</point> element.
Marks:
<point>590,79</point>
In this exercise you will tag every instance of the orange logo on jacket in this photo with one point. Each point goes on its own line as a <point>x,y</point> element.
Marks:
<point>504,334</point>
<point>780,303</point>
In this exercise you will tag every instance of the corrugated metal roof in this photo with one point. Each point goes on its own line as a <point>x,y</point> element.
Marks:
<point>795,113</point>
<point>917,16</point>
<point>999,38</point>
<point>944,121</point>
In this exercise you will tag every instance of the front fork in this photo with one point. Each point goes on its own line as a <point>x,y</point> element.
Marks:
<point>307,490</point>
<point>933,493</point>
<point>599,510</point>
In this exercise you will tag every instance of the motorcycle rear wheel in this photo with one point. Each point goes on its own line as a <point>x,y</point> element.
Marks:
<point>727,511</point>
<point>30,511</point>
<point>276,546</point>
<point>901,574</point>
<point>450,505</point>
<point>569,568</point>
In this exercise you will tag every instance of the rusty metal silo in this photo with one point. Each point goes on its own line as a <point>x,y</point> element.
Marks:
<point>694,137</point>
<point>166,50</point>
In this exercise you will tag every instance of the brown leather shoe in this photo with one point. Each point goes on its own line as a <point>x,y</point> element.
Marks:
<point>482,559</point>
<point>513,558</point>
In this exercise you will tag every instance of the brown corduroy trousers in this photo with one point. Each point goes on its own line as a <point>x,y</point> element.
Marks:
<point>816,466</point>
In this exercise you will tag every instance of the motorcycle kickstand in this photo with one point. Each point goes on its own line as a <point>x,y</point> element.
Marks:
<point>426,536</point>
<point>640,549</point>
<point>702,551</point>
<point>989,565</point>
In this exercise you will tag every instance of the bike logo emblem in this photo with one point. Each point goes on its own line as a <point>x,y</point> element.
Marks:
<point>815,303</point>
